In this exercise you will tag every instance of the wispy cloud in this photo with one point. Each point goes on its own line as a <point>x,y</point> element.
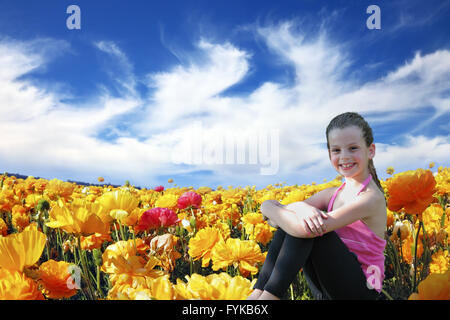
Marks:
<point>66,137</point>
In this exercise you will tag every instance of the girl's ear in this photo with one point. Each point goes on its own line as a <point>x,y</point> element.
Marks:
<point>372,151</point>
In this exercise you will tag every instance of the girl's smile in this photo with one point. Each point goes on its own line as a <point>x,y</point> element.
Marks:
<point>348,152</point>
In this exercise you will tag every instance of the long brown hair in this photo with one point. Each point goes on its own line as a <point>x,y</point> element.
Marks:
<point>354,119</point>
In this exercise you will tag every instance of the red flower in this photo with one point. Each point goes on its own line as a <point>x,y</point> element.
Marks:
<point>159,188</point>
<point>156,218</point>
<point>189,198</point>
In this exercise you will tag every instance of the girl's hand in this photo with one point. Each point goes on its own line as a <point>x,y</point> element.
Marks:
<point>313,222</point>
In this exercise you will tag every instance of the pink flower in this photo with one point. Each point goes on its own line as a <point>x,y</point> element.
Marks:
<point>188,199</point>
<point>159,188</point>
<point>156,218</point>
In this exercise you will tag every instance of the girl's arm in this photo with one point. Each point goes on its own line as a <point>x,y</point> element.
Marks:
<point>295,223</point>
<point>292,217</point>
<point>280,216</point>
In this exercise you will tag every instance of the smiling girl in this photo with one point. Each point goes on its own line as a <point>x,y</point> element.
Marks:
<point>336,235</point>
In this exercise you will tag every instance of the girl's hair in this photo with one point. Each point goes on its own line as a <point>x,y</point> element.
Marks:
<point>354,119</point>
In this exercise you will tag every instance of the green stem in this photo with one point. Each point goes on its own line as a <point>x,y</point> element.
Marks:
<point>85,269</point>
<point>415,257</point>
<point>387,294</point>
<point>99,290</point>
<point>121,231</point>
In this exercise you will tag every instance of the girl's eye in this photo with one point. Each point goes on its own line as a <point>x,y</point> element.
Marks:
<point>334,150</point>
<point>354,148</point>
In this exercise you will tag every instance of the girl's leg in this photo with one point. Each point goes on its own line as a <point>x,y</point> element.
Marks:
<point>271,258</point>
<point>337,269</point>
<point>292,256</point>
<point>317,290</point>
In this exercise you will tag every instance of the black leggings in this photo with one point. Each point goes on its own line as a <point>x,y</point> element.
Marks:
<point>330,269</point>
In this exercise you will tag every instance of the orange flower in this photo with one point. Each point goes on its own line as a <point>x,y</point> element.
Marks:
<point>94,241</point>
<point>390,218</point>
<point>15,285</point>
<point>435,287</point>
<point>54,276</point>
<point>412,190</point>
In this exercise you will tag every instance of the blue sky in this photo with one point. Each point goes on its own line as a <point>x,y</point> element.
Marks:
<point>151,90</point>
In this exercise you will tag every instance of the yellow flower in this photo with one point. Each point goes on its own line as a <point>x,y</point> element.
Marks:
<point>14,285</point>
<point>294,196</point>
<point>3,228</point>
<point>224,229</point>
<point>245,254</point>
<point>431,218</point>
<point>124,260</point>
<point>214,287</point>
<point>160,288</point>
<point>32,200</point>
<point>20,217</point>
<point>201,245</point>
<point>143,288</point>
<point>443,181</point>
<point>119,204</point>
<point>168,200</point>
<point>390,170</point>
<point>256,228</point>
<point>54,276</point>
<point>23,249</point>
<point>262,233</point>
<point>439,263</point>
<point>79,221</point>
<point>436,286</point>
<point>57,188</point>
<point>408,247</point>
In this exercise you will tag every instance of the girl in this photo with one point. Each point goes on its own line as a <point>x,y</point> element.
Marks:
<point>341,251</point>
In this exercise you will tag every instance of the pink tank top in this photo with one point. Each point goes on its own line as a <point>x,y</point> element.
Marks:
<point>365,244</point>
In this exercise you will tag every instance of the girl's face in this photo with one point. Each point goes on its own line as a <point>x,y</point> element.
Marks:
<point>348,152</point>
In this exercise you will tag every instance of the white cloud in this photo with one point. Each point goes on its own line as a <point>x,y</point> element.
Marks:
<point>64,137</point>
<point>415,152</point>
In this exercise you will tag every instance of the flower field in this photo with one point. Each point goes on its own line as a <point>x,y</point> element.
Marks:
<point>60,240</point>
